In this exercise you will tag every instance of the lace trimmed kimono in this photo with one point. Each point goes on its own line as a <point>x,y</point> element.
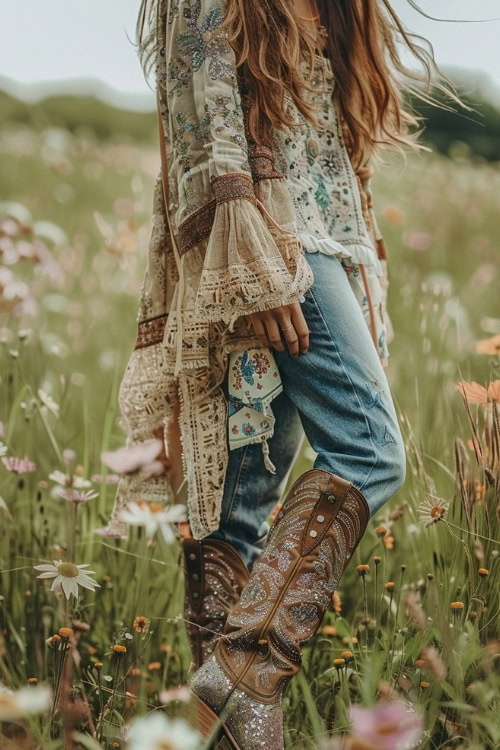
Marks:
<point>240,217</point>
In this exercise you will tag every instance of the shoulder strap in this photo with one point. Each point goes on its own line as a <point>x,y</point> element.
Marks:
<point>163,154</point>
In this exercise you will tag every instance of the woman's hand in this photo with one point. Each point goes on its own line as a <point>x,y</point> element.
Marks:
<point>286,321</point>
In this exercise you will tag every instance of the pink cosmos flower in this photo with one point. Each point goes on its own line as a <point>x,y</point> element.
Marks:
<point>19,465</point>
<point>76,496</point>
<point>144,456</point>
<point>417,240</point>
<point>110,478</point>
<point>387,726</point>
<point>108,532</point>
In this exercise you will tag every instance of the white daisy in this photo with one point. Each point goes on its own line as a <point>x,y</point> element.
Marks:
<point>432,510</point>
<point>69,480</point>
<point>69,576</point>
<point>154,516</point>
<point>48,402</point>
<point>24,702</point>
<point>156,732</point>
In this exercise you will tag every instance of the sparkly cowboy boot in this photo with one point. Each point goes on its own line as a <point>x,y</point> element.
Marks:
<point>215,576</point>
<point>310,544</point>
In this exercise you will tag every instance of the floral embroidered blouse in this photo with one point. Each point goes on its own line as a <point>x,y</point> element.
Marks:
<point>241,219</point>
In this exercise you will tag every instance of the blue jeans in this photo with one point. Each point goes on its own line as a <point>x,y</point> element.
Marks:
<point>338,391</point>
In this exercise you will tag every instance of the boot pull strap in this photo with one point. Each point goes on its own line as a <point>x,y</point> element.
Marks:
<point>322,516</point>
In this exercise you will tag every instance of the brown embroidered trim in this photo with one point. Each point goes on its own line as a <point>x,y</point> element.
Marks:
<point>196,227</point>
<point>229,187</point>
<point>151,331</point>
<point>199,225</point>
<point>262,164</point>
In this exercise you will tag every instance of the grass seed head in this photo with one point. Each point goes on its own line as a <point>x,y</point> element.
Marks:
<point>336,603</point>
<point>433,662</point>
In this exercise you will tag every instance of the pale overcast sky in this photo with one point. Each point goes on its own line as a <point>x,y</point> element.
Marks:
<point>56,40</point>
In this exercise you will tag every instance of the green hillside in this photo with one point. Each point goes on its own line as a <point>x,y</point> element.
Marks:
<point>479,130</point>
<point>76,113</point>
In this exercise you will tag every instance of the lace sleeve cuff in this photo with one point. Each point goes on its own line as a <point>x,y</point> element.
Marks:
<point>251,263</point>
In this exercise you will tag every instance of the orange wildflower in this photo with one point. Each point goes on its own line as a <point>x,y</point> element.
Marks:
<point>393,215</point>
<point>336,603</point>
<point>389,542</point>
<point>141,624</point>
<point>329,630</point>
<point>473,393</point>
<point>489,346</point>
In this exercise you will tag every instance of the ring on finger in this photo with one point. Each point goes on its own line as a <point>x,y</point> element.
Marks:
<point>288,328</point>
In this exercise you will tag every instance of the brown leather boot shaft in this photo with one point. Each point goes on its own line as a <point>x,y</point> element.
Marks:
<point>215,576</point>
<point>309,546</point>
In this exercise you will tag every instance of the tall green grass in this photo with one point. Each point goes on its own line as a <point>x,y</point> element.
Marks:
<point>69,333</point>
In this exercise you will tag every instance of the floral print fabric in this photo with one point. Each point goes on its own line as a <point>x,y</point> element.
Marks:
<point>253,382</point>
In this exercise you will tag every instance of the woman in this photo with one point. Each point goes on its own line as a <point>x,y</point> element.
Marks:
<point>262,313</point>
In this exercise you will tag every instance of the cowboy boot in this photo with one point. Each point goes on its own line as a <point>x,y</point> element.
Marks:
<point>308,548</point>
<point>215,576</point>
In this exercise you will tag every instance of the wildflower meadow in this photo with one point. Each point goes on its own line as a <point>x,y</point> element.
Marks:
<point>93,648</point>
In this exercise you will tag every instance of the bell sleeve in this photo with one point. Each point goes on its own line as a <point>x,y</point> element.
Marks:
<point>249,262</point>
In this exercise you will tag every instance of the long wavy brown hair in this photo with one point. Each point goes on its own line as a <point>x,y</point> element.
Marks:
<point>372,83</point>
